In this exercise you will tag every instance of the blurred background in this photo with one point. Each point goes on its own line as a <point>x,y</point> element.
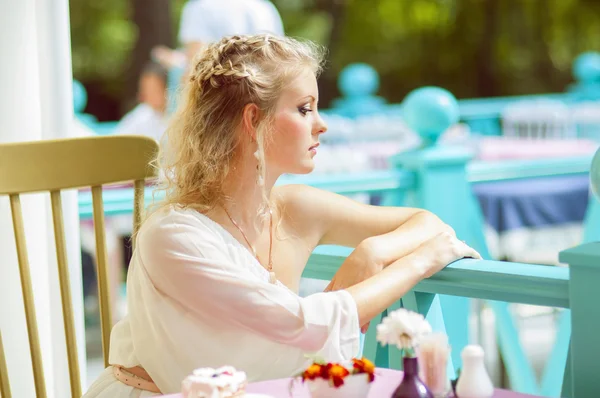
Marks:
<point>473,48</point>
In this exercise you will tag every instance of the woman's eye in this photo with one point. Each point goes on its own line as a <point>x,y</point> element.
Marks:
<point>304,110</point>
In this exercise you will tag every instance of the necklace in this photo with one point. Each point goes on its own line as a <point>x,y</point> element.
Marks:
<point>272,276</point>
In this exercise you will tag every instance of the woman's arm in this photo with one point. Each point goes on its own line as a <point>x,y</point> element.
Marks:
<point>386,233</point>
<point>381,290</point>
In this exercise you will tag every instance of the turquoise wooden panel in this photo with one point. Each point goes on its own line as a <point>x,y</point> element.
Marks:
<point>567,387</point>
<point>554,371</point>
<point>393,354</point>
<point>584,265</point>
<point>519,369</point>
<point>591,224</point>
<point>485,279</point>
<point>371,346</point>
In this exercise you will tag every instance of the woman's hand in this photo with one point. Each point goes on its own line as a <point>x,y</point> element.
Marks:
<point>443,249</point>
<point>360,265</point>
<point>381,290</point>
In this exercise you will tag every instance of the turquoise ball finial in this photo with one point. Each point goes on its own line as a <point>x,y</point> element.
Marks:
<point>79,97</point>
<point>595,174</point>
<point>586,67</point>
<point>429,111</point>
<point>358,80</point>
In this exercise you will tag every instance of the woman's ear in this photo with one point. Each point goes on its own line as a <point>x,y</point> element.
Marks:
<point>250,119</point>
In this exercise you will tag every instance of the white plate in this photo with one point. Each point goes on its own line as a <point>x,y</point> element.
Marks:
<point>257,396</point>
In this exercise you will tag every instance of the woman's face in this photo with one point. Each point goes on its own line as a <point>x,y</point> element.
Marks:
<point>296,129</point>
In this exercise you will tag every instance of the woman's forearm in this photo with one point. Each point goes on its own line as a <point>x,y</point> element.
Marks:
<point>402,241</point>
<point>380,291</point>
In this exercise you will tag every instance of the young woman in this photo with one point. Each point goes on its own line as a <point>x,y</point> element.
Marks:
<point>214,277</point>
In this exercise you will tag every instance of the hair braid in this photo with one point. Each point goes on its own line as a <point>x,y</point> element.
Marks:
<point>200,143</point>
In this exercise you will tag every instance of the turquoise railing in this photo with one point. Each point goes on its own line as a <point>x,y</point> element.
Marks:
<point>388,183</point>
<point>90,121</point>
<point>573,287</point>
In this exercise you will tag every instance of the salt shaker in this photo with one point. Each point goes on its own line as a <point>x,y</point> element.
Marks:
<point>474,381</point>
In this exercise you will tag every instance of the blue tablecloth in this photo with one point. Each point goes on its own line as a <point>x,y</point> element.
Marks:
<point>535,202</point>
<point>521,214</point>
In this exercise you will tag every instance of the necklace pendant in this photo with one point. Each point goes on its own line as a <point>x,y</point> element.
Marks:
<point>272,277</point>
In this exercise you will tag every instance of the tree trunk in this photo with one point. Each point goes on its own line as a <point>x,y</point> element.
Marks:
<point>153,19</point>
<point>486,85</point>
<point>337,11</point>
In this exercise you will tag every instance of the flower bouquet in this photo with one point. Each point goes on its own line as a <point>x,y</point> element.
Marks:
<point>334,380</point>
<point>407,330</point>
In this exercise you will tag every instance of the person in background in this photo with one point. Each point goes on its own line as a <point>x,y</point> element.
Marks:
<point>149,116</point>
<point>206,21</point>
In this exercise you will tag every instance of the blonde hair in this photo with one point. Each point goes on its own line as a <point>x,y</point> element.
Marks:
<point>199,145</point>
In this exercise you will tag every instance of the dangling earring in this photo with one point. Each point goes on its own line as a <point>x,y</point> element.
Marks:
<point>259,178</point>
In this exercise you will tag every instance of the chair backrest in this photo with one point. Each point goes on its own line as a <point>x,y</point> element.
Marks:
<point>54,165</point>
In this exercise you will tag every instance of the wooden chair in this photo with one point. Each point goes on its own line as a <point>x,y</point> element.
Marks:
<point>54,165</point>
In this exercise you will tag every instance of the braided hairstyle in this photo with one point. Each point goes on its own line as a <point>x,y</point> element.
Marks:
<point>199,145</point>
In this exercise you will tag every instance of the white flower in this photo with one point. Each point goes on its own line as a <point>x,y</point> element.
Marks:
<point>403,328</point>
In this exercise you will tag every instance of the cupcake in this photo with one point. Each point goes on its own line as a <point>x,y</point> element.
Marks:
<point>223,382</point>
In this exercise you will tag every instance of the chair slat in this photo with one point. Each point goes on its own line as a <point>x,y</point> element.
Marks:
<point>66,164</point>
<point>138,208</point>
<point>74,163</point>
<point>4,383</point>
<point>27,289</point>
<point>102,271</point>
<point>65,293</point>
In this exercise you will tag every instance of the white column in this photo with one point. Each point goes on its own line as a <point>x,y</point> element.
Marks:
<point>20,120</point>
<point>56,99</point>
<point>35,103</point>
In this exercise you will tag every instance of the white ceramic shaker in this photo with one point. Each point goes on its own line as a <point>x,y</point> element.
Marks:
<point>474,381</point>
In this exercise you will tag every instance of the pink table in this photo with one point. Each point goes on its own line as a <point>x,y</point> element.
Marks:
<point>386,381</point>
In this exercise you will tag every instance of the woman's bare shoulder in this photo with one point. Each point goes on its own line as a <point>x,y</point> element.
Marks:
<point>297,207</point>
<point>297,198</point>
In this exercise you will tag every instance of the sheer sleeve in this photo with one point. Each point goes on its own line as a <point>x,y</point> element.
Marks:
<point>190,263</point>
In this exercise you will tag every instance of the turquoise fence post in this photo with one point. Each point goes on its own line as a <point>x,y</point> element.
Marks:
<point>591,223</point>
<point>586,70</point>
<point>584,275</point>
<point>79,102</point>
<point>443,189</point>
<point>358,84</point>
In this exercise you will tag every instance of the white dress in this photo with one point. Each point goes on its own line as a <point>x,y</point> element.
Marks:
<point>197,297</point>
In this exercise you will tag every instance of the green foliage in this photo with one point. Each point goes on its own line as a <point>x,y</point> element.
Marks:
<point>101,38</point>
<point>471,47</point>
